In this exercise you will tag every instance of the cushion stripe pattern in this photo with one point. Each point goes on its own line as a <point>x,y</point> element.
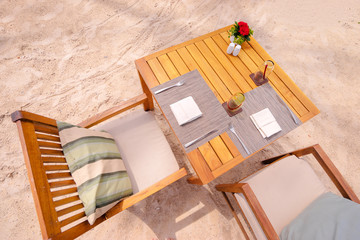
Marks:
<point>96,166</point>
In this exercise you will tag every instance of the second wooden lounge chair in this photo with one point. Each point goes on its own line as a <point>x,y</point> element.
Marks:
<point>147,155</point>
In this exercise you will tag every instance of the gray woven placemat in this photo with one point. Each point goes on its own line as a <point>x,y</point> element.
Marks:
<point>215,117</point>
<point>256,100</point>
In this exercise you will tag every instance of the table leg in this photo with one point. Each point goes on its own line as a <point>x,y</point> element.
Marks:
<point>149,103</point>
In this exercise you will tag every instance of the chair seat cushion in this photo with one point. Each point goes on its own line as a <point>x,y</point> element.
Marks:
<point>97,168</point>
<point>328,217</point>
<point>283,189</point>
<point>144,149</point>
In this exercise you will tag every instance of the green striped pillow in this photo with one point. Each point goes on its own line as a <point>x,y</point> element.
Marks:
<point>97,168</point>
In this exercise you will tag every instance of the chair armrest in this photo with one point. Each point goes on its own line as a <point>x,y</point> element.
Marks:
<point>23,115</point>
<point>133,199</point>
<point>253,202</point>
<point>92,121</point>
<point>327,165</point>
<point>330,170</point>
<point>126,105</point>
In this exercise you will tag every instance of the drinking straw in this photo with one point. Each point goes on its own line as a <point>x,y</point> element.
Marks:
<point>265,71</point>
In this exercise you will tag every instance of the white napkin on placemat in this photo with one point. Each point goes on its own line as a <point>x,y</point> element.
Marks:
<point>265,123</point>
<point>185,110</point>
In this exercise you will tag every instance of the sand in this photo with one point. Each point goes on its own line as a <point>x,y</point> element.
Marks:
<point>71,59</point>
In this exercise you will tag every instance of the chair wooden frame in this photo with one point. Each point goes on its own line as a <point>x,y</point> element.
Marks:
<point>254,204</point>
<point>39,137</point>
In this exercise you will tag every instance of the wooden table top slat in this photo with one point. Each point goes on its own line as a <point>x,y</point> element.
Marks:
<point>218,68</point>
<point>200,166</point>
<point>227,65</point>
<point>231,146</point>
<point>168,66</point>
<point>221,149</point>
<point>158,70</point>
<point>219,86</point>
<point>178,62</point>
<point>192,65</point>
<point>210,156</point>
<point>239,65</point>
<point>225,75</point>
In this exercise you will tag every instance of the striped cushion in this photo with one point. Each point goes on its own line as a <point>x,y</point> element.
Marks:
<point>96,166</point>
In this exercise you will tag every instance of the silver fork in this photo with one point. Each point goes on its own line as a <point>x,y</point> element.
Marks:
<point>178,84</point>
<point>232,129</point>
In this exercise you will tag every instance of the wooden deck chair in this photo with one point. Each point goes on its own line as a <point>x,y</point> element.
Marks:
<point>272,197</point>
<point>59,210</point>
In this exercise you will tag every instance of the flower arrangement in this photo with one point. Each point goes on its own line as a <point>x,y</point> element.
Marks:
<point>241,32</point>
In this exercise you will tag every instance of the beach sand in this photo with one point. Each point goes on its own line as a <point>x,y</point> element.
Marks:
<point>71,59</point>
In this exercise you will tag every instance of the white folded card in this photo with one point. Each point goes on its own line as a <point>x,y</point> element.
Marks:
<point>265,123</point>
<point>185,110</point>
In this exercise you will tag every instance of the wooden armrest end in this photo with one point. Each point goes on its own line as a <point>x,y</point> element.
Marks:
<point>28,116</point>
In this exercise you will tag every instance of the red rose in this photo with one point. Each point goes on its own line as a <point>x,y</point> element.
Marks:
<point>243,28</point>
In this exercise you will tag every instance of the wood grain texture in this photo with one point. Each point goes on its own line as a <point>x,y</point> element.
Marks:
<point>201,168</point>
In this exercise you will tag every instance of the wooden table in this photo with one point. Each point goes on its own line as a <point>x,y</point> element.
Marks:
<point>225,75</point>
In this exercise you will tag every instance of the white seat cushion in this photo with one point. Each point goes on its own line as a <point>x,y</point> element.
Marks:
<point>284,189</point>
<point>146,153</point>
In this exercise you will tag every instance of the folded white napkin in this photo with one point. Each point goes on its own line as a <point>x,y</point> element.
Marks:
<point>265,123</point>
<point>185,110</point>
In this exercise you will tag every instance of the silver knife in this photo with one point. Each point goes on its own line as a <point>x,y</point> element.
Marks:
<point>296,120</point>
<point>199,138</point>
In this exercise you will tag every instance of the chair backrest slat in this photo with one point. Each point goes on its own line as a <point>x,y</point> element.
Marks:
<point>55,167</point>
<point>70,209</point>
<point>51,152</point>
<point>63,192</point>
<point>60,212</point>
<point>53,159</point>
<point>58,175</point>
<point>67,200</point>
<point>41,136</point>
<point>43,128</point>
<point>63,183</point>
<point>72,219</point>
<point>49,144</point>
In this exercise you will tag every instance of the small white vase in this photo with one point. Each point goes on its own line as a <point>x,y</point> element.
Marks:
<point>230,48</point>
<point>237,50</point>
<point>232,38</point>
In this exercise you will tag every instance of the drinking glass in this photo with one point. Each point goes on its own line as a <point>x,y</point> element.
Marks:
<point>235,102</point>
<point>263,72</point>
